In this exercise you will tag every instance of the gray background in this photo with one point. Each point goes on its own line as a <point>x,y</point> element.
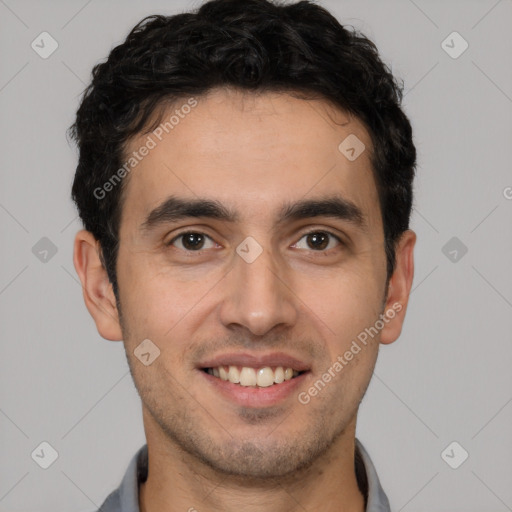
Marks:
<point>447,379</point>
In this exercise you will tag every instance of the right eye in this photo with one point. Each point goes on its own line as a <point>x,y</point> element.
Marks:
<point>191,241</point>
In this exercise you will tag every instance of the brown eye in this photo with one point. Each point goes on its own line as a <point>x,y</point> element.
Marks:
<point>318,241</point>
<point>191,241</point>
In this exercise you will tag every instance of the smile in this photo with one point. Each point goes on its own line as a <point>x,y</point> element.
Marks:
<point>257,377</point>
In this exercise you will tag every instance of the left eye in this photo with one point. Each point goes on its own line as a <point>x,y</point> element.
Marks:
<point>318,241</point>
<point>192,241</point>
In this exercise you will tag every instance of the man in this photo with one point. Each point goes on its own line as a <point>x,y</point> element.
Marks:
<point>245,183</point>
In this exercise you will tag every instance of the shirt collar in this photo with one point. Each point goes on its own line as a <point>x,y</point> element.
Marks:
<point>126,497</point>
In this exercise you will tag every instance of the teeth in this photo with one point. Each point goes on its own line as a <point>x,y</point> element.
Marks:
<point>265,377</point>
<point>246,376</point>
<point>234,375</point>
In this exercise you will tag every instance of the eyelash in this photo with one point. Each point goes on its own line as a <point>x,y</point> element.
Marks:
<point>314,231</point>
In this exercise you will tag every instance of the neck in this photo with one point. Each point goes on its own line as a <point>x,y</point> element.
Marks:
<point>178,481</point>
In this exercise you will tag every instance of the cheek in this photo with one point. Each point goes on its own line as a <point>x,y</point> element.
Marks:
<point>345,301</point>
<point>156,304</point>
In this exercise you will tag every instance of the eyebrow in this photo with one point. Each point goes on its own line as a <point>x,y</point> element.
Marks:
<point>174,209</point>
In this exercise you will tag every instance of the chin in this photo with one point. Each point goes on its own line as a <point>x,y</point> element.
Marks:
<point>261,460</point>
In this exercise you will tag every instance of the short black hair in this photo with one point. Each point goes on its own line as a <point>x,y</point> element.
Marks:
<point>250,45</point>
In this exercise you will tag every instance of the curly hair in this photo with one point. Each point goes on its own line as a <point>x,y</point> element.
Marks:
<point>252,45</point>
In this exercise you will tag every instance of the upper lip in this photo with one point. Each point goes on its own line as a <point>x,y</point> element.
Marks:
<point>274,359</point>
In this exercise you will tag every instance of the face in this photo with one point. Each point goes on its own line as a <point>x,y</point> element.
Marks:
<point>252,249</point>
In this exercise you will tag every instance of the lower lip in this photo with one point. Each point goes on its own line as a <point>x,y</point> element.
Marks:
<point>253,396</point>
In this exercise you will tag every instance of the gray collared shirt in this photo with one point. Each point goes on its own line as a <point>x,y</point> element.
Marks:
<point>126,497</point>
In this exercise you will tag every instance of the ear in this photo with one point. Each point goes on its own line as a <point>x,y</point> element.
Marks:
<point>399,288</point>
<point>97,290</point>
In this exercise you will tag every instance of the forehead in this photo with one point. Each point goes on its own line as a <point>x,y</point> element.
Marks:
<point>252,152</point>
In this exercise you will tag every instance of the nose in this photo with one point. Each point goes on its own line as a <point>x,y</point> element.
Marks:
<point>258,296</point>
